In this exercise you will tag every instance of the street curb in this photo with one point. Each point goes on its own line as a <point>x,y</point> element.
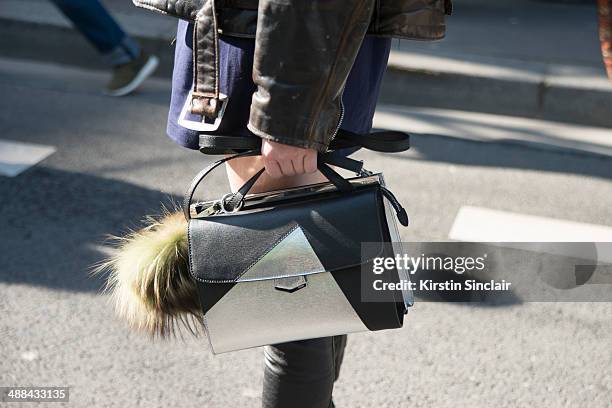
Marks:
<point>409,81</point>
<point>539,95</point>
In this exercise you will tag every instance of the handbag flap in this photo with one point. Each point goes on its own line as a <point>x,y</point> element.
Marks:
<point>322,233</point>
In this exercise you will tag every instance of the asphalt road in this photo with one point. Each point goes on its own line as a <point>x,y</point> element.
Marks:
<point>113,165</point>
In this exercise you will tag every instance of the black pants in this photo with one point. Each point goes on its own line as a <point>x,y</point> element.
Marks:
<point>301,374</point>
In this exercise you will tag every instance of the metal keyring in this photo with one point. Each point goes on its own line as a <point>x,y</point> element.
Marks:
<point>225,210</point>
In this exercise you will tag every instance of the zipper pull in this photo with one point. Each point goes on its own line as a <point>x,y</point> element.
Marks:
<point>402,216</point>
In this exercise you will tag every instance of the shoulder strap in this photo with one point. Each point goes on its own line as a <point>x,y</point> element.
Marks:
<point>388,141</point>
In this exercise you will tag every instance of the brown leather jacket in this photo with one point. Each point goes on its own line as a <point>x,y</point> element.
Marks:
<point>304,51</point>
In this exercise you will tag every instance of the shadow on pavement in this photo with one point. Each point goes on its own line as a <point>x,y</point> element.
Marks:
<point>509,154</point>
<point>52,221</point>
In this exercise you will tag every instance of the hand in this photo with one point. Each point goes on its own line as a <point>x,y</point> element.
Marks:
<point>285,160</point>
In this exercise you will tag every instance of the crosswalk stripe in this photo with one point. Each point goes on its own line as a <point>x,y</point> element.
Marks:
<point>478,224</point>
<point>16,157</point>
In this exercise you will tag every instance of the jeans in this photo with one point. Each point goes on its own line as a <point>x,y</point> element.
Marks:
<point>301,374</point>
<point>93,21</point>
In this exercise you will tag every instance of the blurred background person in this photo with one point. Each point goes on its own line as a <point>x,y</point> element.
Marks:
<point>130,64</point>
<point>605,32</point>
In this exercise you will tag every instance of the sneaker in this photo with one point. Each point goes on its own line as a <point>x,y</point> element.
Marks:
<point>128,77</point>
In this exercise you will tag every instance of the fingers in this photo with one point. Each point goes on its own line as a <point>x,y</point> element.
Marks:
<point>310,163</point>
<point>287,167</point>
<point>298,165</point>
<point>273,169</point>
<point>276,169</point>
<point>283,160</point>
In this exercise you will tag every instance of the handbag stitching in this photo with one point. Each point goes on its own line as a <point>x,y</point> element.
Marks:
<point>276,276</point>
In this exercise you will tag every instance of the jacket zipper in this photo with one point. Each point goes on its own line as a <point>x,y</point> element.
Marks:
<point>339,121</point>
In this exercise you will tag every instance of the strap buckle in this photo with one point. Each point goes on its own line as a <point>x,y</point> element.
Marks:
<point>201,125</point>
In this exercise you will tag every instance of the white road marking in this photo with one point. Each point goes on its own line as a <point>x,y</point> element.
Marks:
<point>30,355</point>
<point>478,224</point>
<point>16,157</point>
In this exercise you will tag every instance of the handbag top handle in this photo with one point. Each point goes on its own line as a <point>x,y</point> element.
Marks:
<point>233,201</point>
<point>387,141</point>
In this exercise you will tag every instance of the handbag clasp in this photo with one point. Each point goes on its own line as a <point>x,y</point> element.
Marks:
<point>290,284</point>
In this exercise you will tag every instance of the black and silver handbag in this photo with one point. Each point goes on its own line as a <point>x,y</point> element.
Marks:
<point>287,265</point>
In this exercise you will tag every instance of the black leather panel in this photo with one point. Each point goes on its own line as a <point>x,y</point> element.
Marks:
<point>335,226</point>
<point>386,313</point>
<point>209,295</point>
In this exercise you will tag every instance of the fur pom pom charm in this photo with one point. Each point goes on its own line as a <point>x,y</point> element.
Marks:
<point>149,280</point>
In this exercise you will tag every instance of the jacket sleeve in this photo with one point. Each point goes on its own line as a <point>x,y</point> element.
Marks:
<point>304,52</point>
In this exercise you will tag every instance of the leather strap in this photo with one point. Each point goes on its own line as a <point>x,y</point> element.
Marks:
<point>212,144</point>
<point>205,97</point>
<point>388,141</point>
<point>233,201</point>
<point>356,166</point>
<point>385,142</point>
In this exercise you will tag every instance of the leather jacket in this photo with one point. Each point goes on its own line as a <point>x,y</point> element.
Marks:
<point>304,51</point>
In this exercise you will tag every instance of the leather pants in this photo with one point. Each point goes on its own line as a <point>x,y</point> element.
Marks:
<point>301,374</point>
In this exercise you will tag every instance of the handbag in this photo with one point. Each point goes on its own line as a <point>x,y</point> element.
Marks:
<point>288,265</point>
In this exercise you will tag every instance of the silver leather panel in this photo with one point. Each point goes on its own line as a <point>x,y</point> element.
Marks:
<point>255,314</point>
<point>292,256</point>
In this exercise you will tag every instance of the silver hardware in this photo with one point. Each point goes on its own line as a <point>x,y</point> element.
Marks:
<point>211,210</point>
<point>272,196</point>
<point>223,204</point>
<point>201,126</point>
<point>291,283</point>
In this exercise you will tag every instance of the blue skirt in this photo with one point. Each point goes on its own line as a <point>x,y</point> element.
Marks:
<point>235,71</point>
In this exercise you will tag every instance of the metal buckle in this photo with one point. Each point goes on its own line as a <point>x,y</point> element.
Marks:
<point>233,210</point>
<point>201,126</point>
